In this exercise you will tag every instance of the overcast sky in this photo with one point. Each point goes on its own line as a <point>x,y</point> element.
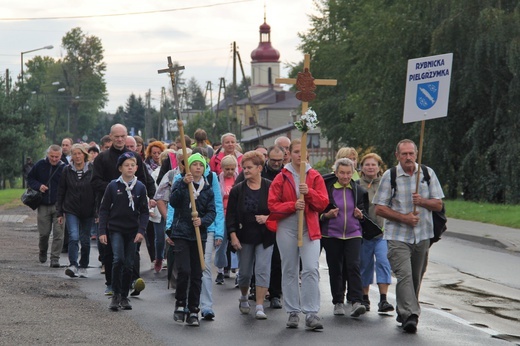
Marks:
<point>196,33</point>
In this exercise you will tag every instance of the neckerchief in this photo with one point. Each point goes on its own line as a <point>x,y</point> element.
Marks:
<point>196,192</point>
<point>128,189</point>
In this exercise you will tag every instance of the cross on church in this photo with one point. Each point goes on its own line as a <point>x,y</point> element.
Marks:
<point>305,84</point>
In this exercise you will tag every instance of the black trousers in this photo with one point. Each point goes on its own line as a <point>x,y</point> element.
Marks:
<point>275,282</point>
<point>189,277</point>
<point>343,261</point>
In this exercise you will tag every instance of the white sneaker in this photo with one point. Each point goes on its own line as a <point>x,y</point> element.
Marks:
<point>72,271</point>
<point>357,309</point>
<point>83,272</point>
<point>339,309</point>
<point>260,315</point>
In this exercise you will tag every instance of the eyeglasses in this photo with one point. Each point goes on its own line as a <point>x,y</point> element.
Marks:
<point>276,161</point>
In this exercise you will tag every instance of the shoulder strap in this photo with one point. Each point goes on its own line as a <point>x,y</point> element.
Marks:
<point>426,174</point>
<point>209,178</point>
<point>393,174</point>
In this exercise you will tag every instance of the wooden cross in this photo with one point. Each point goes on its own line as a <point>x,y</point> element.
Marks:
<point>194,214</point>
<point>172,70</point>
<point>305,84</point>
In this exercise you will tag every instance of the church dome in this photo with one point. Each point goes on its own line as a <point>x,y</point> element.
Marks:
<point>265,51</point>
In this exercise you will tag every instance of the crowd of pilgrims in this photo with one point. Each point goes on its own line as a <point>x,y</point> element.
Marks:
<point>124,192</point>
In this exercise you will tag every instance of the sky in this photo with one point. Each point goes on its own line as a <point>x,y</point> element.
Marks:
<point>196,33</point>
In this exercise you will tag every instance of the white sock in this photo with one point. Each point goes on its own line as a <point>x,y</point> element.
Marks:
<point>259,307</point>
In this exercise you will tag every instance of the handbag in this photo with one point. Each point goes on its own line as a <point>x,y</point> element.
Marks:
<point>370,228</point>
<point>32,198</point>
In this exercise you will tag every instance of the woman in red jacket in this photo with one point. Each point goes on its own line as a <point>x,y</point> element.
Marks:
<point>283,204</point>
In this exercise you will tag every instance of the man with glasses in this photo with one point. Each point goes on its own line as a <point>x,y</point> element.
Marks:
<point>284,142</point>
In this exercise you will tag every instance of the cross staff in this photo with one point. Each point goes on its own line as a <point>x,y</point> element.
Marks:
<point>306,85</point>
<point>194,214</point>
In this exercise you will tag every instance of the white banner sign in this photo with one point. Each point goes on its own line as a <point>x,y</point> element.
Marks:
<point>427,88</point>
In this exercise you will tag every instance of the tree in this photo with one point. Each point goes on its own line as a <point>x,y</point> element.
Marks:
<point>134,114</point>
<point>194,96</point>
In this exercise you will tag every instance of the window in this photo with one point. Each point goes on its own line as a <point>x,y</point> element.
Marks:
<point>313,140</point>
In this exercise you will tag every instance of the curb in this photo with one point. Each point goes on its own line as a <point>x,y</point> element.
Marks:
<point>478,239</point>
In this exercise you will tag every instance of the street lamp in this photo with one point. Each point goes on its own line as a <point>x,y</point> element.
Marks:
<point>30,51</point>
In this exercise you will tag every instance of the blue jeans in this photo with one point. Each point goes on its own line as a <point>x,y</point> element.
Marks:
<point>374,254</point>
<point>79,232</point>
<point>159,238</point>
<point>124,249</point>
<point>221,260</point>
<point>206,295</point>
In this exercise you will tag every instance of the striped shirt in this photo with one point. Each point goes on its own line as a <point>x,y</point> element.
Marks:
<point>402,203</point>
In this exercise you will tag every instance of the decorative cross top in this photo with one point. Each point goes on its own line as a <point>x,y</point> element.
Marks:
<point>305,84</point>
<point>172,70</point>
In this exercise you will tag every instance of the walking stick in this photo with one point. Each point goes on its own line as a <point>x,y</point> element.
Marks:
<point>194,213</point>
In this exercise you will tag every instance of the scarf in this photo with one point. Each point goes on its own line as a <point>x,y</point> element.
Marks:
<point>196,192</point>
<point>128,189</point>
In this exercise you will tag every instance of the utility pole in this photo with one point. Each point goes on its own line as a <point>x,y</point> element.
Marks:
<point>234,88</point>
<point>222,86</point>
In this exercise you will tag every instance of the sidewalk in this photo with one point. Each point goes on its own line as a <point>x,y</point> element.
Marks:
<point>491,235</point>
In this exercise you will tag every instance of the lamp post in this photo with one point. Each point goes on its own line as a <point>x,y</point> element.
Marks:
<point>30,51</point>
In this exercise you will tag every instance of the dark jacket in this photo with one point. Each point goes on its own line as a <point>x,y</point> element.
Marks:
<point>105,170</point>
<point>115,214</point>
<point>40,174</point>
<point>238,218</point>
<point>182,225</point>
<point>360,198</point>
<point>76,196</point>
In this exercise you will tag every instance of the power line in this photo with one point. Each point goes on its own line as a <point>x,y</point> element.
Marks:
<point>127,13</point>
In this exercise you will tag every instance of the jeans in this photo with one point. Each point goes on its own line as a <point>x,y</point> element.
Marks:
<point>206,295</point>
<point>159,239</point>
<point>374,255</point>
<point>187,263</point>
<point>79,232</point>
<point>123,247</point>
<point>221,260</point>
<point>47,222</point>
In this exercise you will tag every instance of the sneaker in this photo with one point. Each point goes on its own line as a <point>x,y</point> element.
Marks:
<point>358,309</point>
<point>236,281</point>
<point>243,306</point>
<point>72,271</point>
<point>260,315</point>
<point>385,306</point>
<point>137,287</point>
<point>102,269</point>
<point>226,274</point>
<point>157,265</point>
<point>114,302</point>
<point>276,303</point>
<point>42,257</point>
<point>313,322</point>
<point>55,263</point>
<point>83,273</point>
<point>165,263</point>
<point>109,291</point>
<point>179,314</point>
<point>193,319</point>
<point>410,326</point>
<point>293,320</point>
<point>366,304</point>
<point>220,279</point>
<point>339,309</point>
<point>208,315</point>
<point>125,303</point>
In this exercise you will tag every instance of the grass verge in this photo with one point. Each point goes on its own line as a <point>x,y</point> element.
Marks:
<point>10,198</point>
<point>497,214</point>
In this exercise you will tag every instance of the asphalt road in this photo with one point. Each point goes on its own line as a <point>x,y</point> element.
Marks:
<point>153,310</point>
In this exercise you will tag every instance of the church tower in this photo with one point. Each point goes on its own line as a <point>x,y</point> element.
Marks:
<point>265,64</point>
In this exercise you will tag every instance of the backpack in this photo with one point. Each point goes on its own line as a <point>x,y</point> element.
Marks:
<point>439,217</point>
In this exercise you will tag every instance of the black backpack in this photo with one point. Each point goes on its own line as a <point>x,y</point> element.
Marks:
<point>439,217</point>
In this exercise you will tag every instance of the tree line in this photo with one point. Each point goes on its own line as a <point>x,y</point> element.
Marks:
<point>365,45</point>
